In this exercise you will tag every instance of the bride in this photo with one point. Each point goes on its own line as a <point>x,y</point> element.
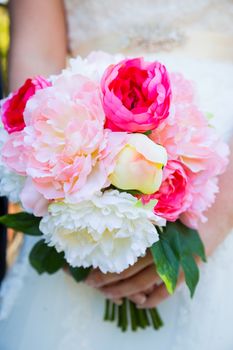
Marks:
<point>195,38</point>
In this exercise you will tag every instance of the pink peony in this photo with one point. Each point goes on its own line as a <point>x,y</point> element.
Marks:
<point>14,106</point>
<point>189,139</point>
<point>14,153</point>
<point>174,195</point>
<point>187,135</point>
<point>136,95</point>
<point>64,143</point>
<point>203,190</point>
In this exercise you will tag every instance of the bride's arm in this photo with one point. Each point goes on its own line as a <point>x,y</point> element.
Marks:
<point>38,39</point>
<point>140,282</point>
<point>220,215</point>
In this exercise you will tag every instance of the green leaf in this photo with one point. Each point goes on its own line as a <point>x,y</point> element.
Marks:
<point>185,240</point>
<point>23,222</point>
<point>177,247</point>
<point>46,259</point>
<point>167,264</point>
<point>79,273</point>
<point>191,241</point>
<point>191,272</point>
<point>148,132</point>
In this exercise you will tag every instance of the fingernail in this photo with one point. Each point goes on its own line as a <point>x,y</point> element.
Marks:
<point>159,282</point>
<point>141,299</point>
<point>138,306</point>
<point>118,302</point>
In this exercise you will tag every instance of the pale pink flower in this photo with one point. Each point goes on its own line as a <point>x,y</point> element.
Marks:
<point>187,135</point>
<point>189,139</point>
<point>203,190</point>
<point>14,154</point>
<point>32,200</point>
<point>64,140</point>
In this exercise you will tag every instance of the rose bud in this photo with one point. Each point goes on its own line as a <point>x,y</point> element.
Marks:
<point>139,165</point>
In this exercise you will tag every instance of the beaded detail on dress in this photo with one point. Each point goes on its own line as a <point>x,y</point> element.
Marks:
<point>151,25</point>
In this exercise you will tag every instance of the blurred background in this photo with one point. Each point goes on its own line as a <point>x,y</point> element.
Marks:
<point>10,241</point>
<point>4,38</point>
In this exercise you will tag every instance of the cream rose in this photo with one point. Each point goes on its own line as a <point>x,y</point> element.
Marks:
<point>139,165</point>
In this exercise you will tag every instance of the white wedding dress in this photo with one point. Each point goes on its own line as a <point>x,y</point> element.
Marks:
<point>54,312</point>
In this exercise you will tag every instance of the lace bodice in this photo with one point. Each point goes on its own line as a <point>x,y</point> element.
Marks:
<point>149,25</point>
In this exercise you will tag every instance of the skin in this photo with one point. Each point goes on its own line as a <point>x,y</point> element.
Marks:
<point>38,46</point>
<point>38,39</point>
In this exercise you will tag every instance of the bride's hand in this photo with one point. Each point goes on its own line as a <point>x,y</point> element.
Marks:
<point>139,283</point>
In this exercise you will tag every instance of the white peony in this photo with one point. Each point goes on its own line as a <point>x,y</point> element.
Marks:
<point>11,184</point>
<point>93,66</point>
<point>109,231</point>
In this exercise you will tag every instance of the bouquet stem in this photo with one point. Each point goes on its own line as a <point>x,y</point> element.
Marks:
<point>128,314</point>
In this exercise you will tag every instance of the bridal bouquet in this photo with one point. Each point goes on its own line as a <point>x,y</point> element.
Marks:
<point>108,159</point>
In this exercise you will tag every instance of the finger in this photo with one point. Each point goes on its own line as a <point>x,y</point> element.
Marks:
<point>139,298</point>
<point>97,279</point>
<point>133,285</point>
<point>158,295</point>
<point>149,290</point>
